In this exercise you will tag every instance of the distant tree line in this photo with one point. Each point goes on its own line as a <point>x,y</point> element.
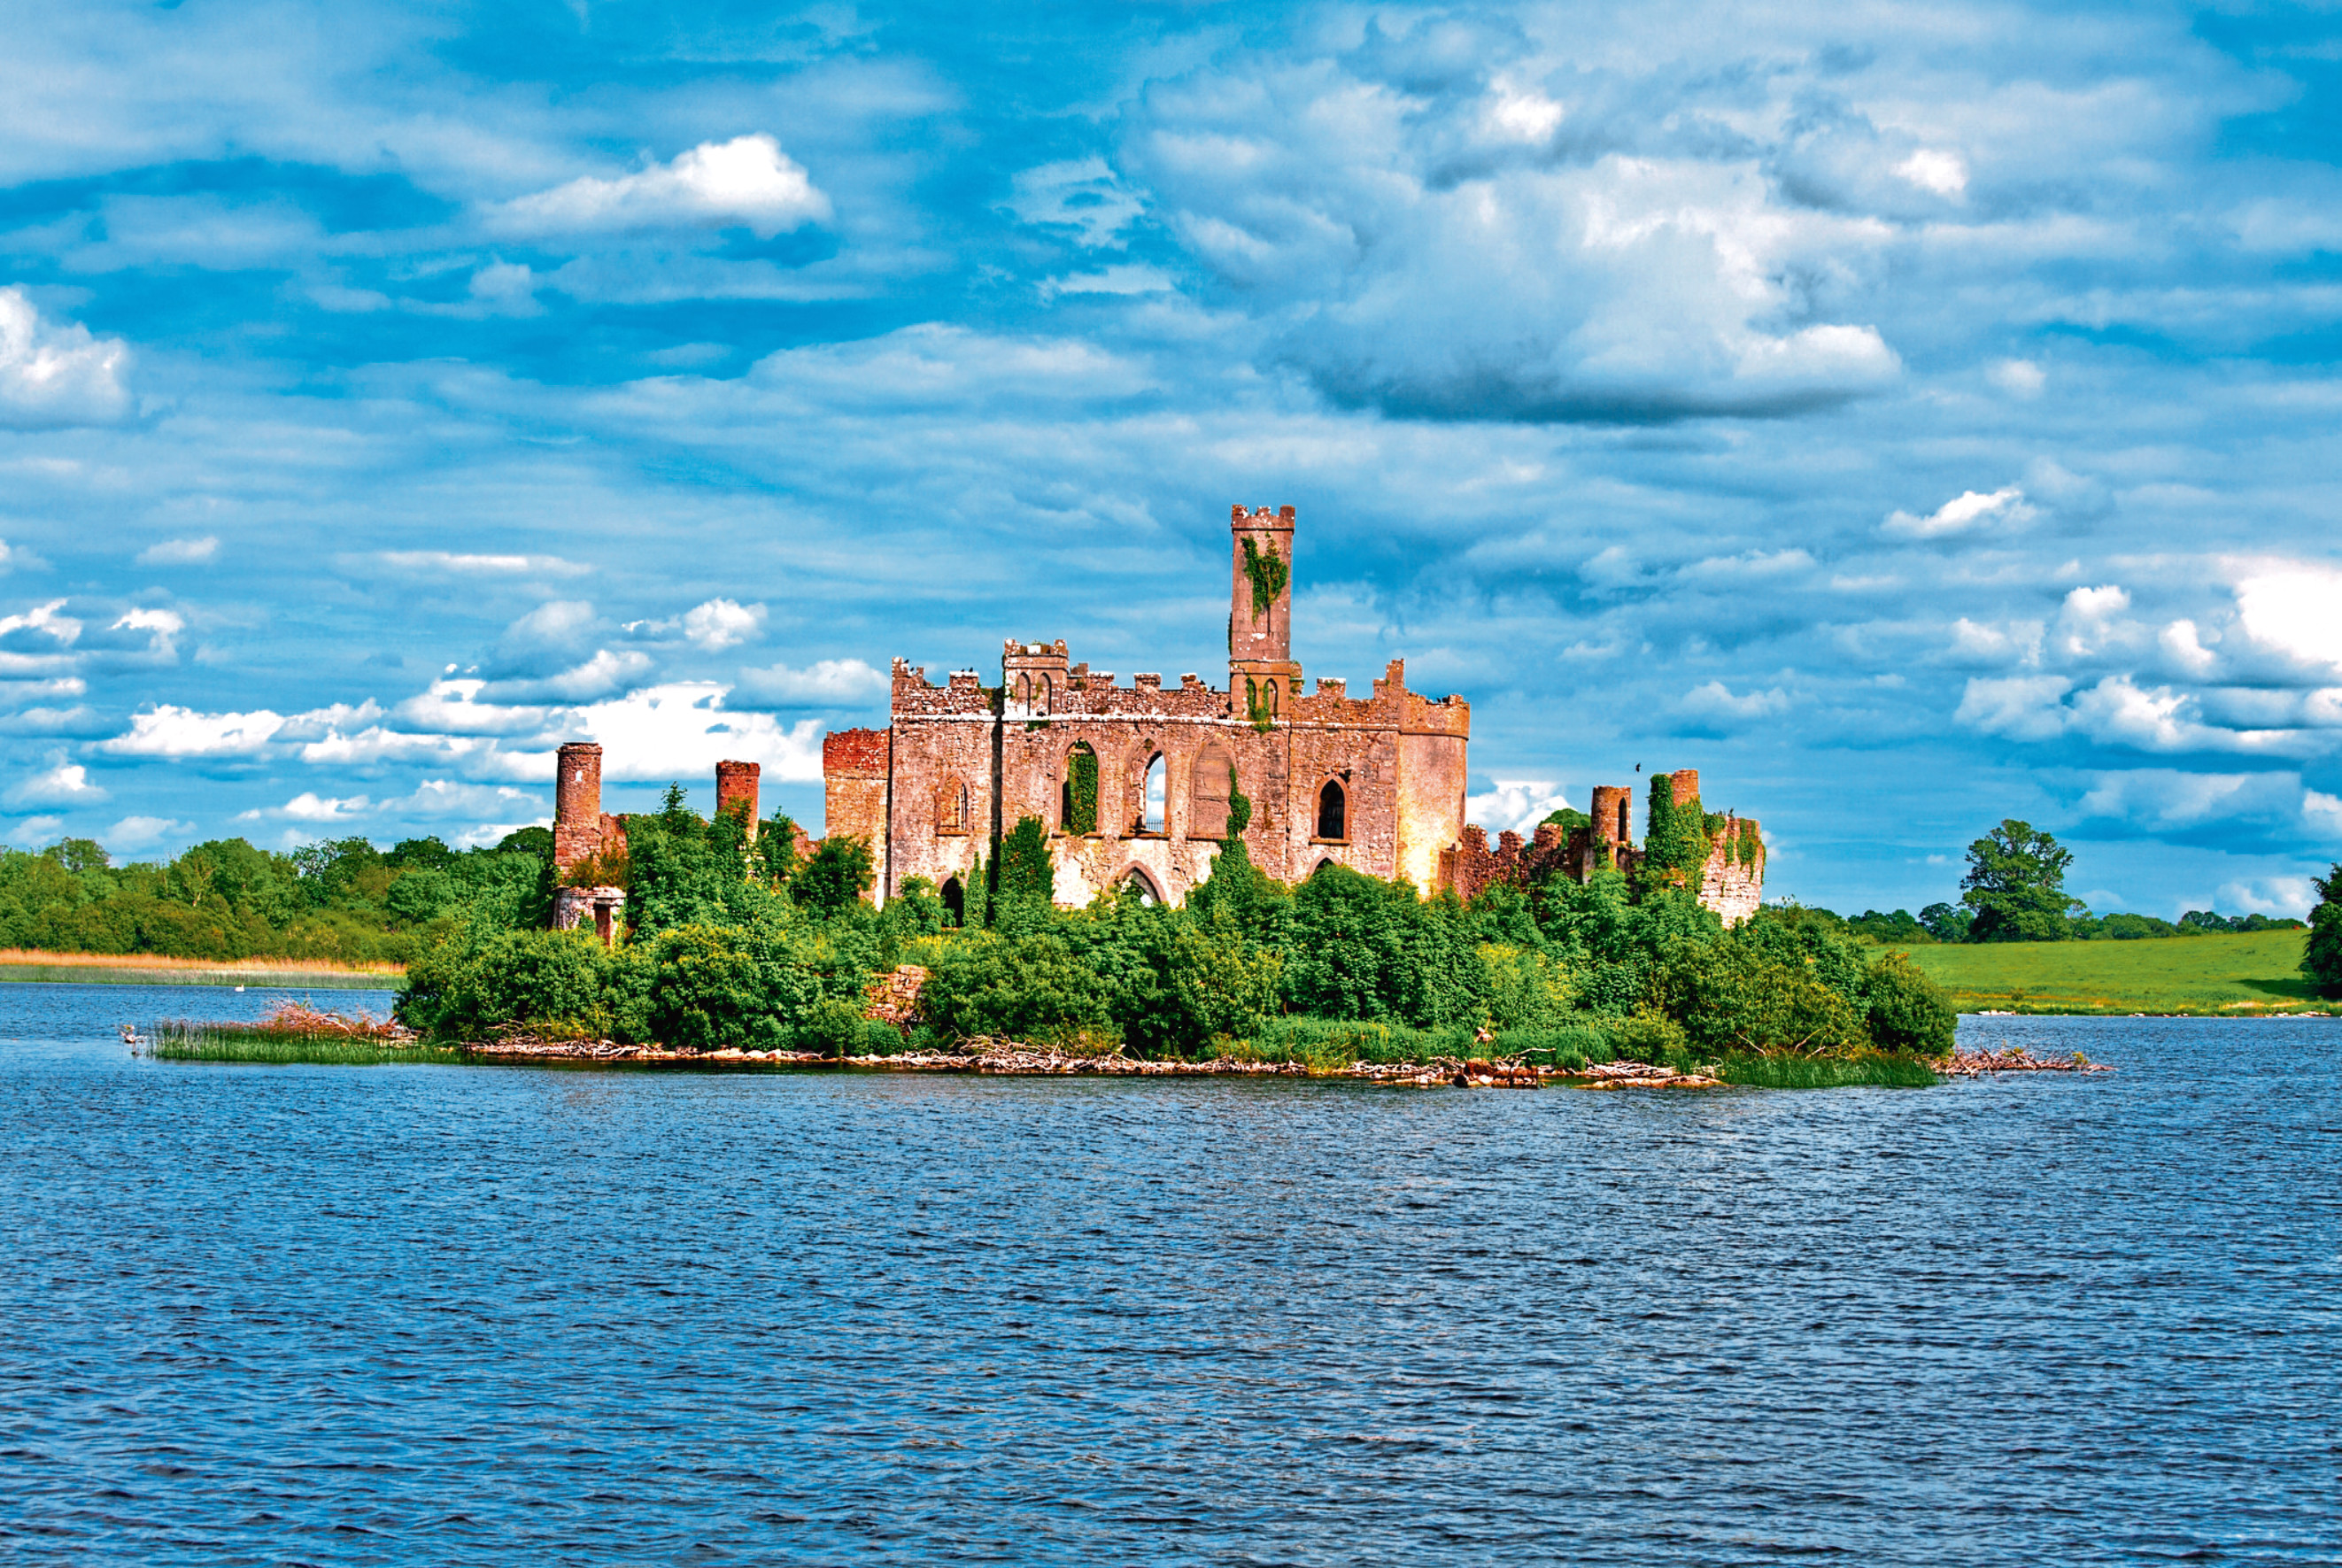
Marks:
<point>2014,891</point>
<point>336,899</point>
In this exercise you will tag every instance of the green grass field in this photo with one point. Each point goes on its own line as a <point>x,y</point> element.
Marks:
<point>2227,976</point>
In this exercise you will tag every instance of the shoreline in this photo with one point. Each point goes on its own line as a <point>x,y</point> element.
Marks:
<point>25,965</point>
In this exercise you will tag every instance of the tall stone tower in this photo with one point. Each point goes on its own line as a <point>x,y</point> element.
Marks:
<point>1263,677</point>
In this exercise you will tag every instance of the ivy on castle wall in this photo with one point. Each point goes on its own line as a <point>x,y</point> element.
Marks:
<point>1676,845</point>
<point>1269,574</point>
<point>1751,848</point>
<point>1239,807</point>
<point>1082,791</point>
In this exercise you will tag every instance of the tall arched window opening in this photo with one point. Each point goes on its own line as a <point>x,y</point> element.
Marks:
<point>951,806</point>
<point>1333,811</point>
<point>1077,796</point>
<point>1151,796</point>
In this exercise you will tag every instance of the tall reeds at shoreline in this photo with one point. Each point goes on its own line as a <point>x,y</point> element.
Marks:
<point>296,1031</point>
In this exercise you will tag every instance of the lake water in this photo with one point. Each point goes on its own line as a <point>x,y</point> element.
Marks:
<point>501,1315</point>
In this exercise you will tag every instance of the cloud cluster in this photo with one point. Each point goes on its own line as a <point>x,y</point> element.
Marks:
<point>54,375</point>
<point>747,182</point>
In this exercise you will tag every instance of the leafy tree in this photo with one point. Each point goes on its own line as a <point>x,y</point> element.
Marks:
<point>2321,958</point>
<point>1024,988</point>
<point>2016,884</point>
<point>833,880</point>
<point>1946,922</point>
<point>80,854</point>
<point>532,840</point>
<point>1568,819</point>
<point>1738,996</point>
<point>776,849</point>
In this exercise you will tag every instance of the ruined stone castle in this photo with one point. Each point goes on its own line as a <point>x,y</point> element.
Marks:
<point>1140,786</point>
<point>1136,784</point>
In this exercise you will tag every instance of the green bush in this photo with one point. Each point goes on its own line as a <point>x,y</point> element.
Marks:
<point>1020,988</point>
<point>1731,996</point>
<point>481,979</point>
<point>2321,957</point>
<point>1907,1011</point>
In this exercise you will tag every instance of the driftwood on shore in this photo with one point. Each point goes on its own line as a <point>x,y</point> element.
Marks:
<point>983,1055</point>
<point>1975,1063</point>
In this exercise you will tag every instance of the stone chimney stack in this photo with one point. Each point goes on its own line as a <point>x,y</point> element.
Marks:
<point>736,790</point>
<point>1262,675</point>
<point>576,804</point>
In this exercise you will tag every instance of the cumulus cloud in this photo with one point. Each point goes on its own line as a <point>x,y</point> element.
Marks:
<point>1081,199</point>
<point>1964,513</point>
<point>52,375</point>
<point>2291,611</point>
<point>180,552</point>
<point>825,684</point>
<point>721,624</point>
<point>1515,806</point>
<point>1933,169</point>
<point>36,832</point>
<point>64,784</point>
<point>167,730</point>
<point>748,181</point>
<point>683,729</point>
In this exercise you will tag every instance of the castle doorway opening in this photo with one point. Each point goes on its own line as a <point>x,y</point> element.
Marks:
<point>955,899</point>
<point>1141,886</point>
<point>1333,811</point>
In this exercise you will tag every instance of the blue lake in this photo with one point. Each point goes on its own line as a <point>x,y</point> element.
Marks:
<point>522,1315</point>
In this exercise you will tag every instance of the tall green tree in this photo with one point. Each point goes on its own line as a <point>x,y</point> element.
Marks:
<point>2016,884</point>
<point>2322,958</point>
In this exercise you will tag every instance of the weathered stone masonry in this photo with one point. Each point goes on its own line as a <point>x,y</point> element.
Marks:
<point>1374,783</point>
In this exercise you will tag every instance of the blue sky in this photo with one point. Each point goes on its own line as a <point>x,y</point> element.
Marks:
<point>1908,415</point>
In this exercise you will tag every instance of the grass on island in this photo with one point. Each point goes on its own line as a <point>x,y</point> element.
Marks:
<point>2240,976</point>
<point>1871,1070</point>
<point>22,964</point>
<point>296,1031</point>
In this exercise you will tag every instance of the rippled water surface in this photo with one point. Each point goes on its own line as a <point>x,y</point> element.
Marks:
<point>530,1315</point>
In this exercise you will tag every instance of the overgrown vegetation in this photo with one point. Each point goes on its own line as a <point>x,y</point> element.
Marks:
<point>1342,966</point>
<point>2322,958</point>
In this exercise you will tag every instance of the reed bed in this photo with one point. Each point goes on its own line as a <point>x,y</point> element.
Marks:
<point>293,1031</point>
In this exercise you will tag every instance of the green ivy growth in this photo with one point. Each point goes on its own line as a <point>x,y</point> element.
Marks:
<point>1081,791</point>
<point>1751,848</point>
<point>1269,574</point>
<point>1239,807</point>
<point>1262,719</point>
<point>1675,848</point>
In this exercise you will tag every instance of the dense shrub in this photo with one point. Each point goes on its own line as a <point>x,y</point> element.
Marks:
<point>480,979</point>
<point>1025,988</point>
<point>1733,996</point>
<point>1907,1011</point>
<point>2321,958</point>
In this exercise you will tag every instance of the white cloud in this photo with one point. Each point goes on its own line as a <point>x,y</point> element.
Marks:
<point>1716,703</point>
<point>747,182</point>
<point>169,731</point>
<point>2184,646</point>
<point>1969,510</point>
<point>43,620</point>
<point>136,833</point>
<point>830,683</point>
<point>36,832</point>
<point>1930,169</point>
<point>682,730</point>
<point>453,706</point>
<point>310,806</point>
<point>452,797</point>
<point>2276,895</point>
<point>454,564</point>
<point>2020,707</point>
<point>375,744</point>
<point>180,552</point>
<point>2018,377</point>
<point>598,676</point>
<point>721,624</point>
<point>55,376</point>
<point>2292,611</point>
<point>2087,624</point>
<point>2165,800</point>
<point>2015,643</point>
<point>1515,804</point>
<point>66,784</point>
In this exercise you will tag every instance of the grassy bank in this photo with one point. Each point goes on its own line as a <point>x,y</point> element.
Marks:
<point>18,963</point>
<point>181,1041</point>
<point>2221,977</point>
